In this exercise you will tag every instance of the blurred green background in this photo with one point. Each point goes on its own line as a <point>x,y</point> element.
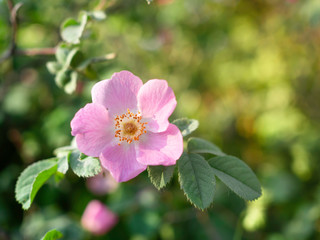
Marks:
<point>248,70</point>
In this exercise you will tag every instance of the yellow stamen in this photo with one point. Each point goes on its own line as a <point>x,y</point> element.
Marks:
<point>129,127</point>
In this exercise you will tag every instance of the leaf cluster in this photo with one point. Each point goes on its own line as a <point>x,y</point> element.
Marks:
<point>197,175</point>
<point>35,175</point>
<point>71,62</point>
<point>52,235</point>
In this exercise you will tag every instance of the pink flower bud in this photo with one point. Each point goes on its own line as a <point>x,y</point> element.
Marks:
<point>97,218</point>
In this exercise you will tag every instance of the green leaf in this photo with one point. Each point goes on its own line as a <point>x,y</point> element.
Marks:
<point>160,176</point>
<point>31,180</point>
<point>96,15</point>
<point>86,167</point>
<point>74,58</point>
<point>93,60</point>
<point>52,235</point>
<point>234,173</point>
<point>62,53</point>
<point>198,145</point>
<point>71,30</point>
<point>62,77</point>
<point>71,86</point>
<point>186,125</point>
<point>197,179</point>
<point>69,22</point>
<point>53,67</point>
<point>63,164</point>
<point>90,73</point>
<point>67,79</point>
<point>86,67</point>
<point>62,151</point>
<point>58,176</point>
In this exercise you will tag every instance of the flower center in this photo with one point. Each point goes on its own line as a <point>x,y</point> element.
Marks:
<point>128,127</point>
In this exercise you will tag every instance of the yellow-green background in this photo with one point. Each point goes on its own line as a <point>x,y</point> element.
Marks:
<point>248,70</point>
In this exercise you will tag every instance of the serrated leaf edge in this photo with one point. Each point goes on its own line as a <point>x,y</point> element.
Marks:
<point>198,207</point>
<point>84,175</point>
<point>189,200</point>
<point>259,193</point>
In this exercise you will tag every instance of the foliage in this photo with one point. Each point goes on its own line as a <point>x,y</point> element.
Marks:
<point>197,179</point>
<point>160,176</point>
<point>186,126</point>
<point>198,145</point>
<point>237,176</point>
<point>84,166</point>
<point>71,60</point>
<point>247,70</point>
<point>52,235</point>
<point>31,180</point>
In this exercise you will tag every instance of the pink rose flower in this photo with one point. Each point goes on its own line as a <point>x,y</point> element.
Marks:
<point>127,126</point>
<point>102,183</point>
<point>97,218</point>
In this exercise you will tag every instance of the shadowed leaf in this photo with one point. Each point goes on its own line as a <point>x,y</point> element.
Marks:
<point>52,235</point>
<point>196,179</point>
<point>84,167</point>
<point>71,30</point>
<point>31,180</point>
<point>160,176</point>
<point>186,125</point>
<point>63,165</point>
<point>198,145</point>
<point>237,176</point>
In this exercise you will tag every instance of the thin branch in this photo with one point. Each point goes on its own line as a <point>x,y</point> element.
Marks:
<point>14,23</point>
<point>13,9</point>
<point>101,6</point>
<point>12,49</point>
<point>36,51</point>
<point>106,57</point>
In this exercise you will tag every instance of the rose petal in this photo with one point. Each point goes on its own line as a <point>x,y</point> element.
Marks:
<point>93,129</point>
<point>121,162</point>
<point>118,93</point>
<point>163,148</point>
<point>156,102</point>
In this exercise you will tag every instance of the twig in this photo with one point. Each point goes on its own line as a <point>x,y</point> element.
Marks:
<point>12,49</point>
<point>106,57</point>
<point>101,5</point>
<point>13,9</point>
<point>36,51</point>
